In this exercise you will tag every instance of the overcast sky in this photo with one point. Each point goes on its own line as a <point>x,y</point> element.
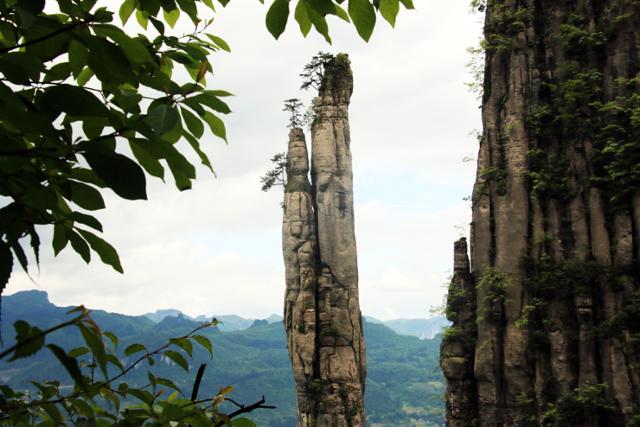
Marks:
<point>216,249</point>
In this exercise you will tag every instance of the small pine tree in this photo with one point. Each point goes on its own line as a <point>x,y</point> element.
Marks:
<point>314,70</point>
<point>293,106</point>
<point>277,175</point>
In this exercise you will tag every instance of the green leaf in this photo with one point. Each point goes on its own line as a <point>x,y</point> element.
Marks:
<point>142,395</point>
<point>53,413</point>
<point>277,17</point>
<point>211,101</point>
<point>84,76</point>
<point>194,124</point>
<point>204,342</point>
<point>6,264</point>
<point>319,23</point>
<point>216,125</point>
<point>178,359</point>
<point>142,18</point>
<point>126,9</point>
<point>20,68</point>
<point>70,364</point>
<point>363,16</point>
<point>162,118</point>
<point>72,100</point>
<point>133,349</point>
<point>133,48</point>
<point>87,220</point>
<point>301,15</point>
<point>408,4</point>
<point>168,383</point>
<point>114,361</point>
<point>79,245</point>
<point>118,172</point>
<point>78,57</point>
<point>93,338</point>
<point>60,239</point>
<point>109,62</point>
<point>195,144</point>
<point>171,17</point>
<point>189,7</point>
<point>27,344</point>
<point>147,160</point>
<point>219,42</point>
<point>86,196</point>
<point>105,251</point>
<point>389,10</point>
<point>112,337</point>
<point>78,351</point>
<point>243,422</point>
<point>184,344</point>
<point>171,412</point>
<point>82,407</point>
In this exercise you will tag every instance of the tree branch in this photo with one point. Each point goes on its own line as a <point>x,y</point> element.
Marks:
<point>243,409</point>
<point>44,37</point>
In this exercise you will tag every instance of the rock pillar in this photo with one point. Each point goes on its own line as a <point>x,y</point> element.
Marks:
<point>322,312</point>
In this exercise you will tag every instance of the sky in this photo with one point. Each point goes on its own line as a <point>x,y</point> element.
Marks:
<point>216,249</point>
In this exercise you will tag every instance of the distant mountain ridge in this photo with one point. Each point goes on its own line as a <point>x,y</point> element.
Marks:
<point>421,328</point>
<point>404,382</point>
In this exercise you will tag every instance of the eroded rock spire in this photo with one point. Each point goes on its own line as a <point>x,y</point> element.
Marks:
<point>322,312</point>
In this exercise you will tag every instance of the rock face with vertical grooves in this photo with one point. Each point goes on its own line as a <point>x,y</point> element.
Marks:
<point>322,312</point>
<point>553,307</point>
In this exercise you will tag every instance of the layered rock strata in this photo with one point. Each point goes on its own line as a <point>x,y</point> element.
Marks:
<point>322,312</point>
<point>553,303</point>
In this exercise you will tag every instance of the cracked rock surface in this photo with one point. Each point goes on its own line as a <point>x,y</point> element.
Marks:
<point>546,321</point>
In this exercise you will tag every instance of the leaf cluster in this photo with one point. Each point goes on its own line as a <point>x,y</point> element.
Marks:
<point>86,106</point>
<point>313,14</point>
<point>99,394</point>
<point>276,176</point>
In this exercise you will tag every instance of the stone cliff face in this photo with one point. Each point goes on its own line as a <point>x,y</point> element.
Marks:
<point>546,321</point>
<point>322,312</point>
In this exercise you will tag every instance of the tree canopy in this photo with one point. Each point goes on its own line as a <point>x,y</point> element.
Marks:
<point>85,105</point>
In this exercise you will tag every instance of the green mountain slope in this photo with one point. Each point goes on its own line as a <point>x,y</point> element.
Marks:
<point>404,383</point>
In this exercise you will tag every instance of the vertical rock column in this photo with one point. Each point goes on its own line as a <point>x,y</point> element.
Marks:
<point>300,249</point>
<point>457,347</point>
<point>555,232</point>
<point>322,313</point>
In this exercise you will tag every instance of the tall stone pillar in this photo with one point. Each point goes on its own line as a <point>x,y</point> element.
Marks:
<point>322,313</point>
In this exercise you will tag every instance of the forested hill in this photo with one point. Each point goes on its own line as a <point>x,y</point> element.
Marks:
<point>404,383</point>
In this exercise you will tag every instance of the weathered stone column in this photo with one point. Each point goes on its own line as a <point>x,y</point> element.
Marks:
<point>300,249</point>
<point>322,314</point>
<point>554,238</point>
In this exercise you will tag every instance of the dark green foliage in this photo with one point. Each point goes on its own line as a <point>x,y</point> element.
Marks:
<point>544,277</point>
<point>277,175</point>
<point>495,175</point>
<point>579,405</point>
<point>293,106</point>
<point>625,320</point>
<point>576,37</point>
<point>493,284</point>
<point>70,86</point>
<point>548,175</point>
<point>100,388</point>
<point>313,71</point>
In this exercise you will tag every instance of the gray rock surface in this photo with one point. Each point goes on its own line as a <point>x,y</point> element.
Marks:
<point>322,312</point>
